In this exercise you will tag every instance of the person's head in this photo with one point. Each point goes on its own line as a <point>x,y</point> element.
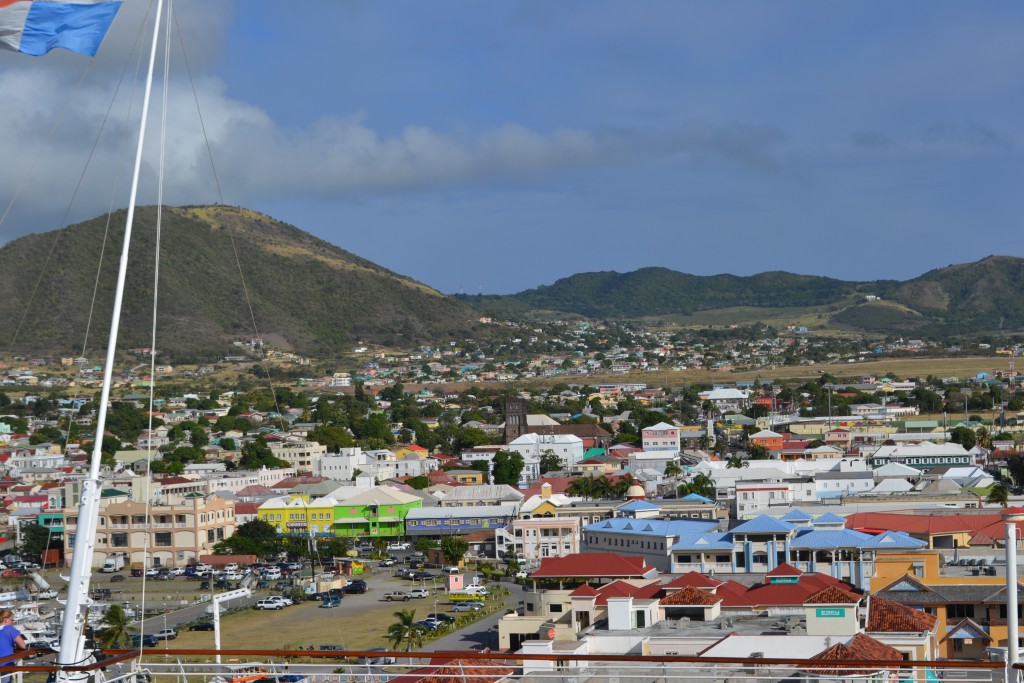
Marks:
<point>6,615</point>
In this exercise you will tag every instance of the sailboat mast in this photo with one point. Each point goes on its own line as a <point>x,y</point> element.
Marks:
<point>72,641</point>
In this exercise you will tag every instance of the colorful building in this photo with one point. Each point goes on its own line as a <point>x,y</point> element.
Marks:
<point>377,513</point>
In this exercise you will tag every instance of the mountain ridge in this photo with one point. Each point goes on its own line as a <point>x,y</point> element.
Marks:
<point>308,295</point>
<point>982,295</point>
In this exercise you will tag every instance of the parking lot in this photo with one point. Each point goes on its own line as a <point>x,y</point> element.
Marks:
<point>359,621</point>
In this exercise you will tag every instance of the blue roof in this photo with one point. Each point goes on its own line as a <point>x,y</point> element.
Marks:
<point>708,541</point>
<point>830,518</point>
<point>653,527</point>
<point>697,496</point>
<point>796,516</point>
<point>638,505</point>
<point>894,539</point>
<point>763,524</point>
<point>828,539</point>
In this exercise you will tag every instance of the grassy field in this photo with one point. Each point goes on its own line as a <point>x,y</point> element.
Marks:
<point>901,367</point>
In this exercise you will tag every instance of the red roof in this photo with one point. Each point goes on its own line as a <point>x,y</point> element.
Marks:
<point>247,508</point>
<point>926,524</point>
<point>785,569</point>
<point>558,485</point>
<point>691,596</point>
<point>739,595</point>
<point>695,579</point>
<point>593,565</point>
<point>833,595</point>
<point>886,616</point>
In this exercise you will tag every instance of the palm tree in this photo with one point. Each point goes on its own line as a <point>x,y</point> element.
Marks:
<point>736,462</point>
<point>115,627</point>
<point>702,485</point>
<point>405,630</point>
<point>582,487</point>
<point>673,470</point>
<point>998,495</point>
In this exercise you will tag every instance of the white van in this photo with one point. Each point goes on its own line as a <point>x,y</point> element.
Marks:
<point>272,573</point>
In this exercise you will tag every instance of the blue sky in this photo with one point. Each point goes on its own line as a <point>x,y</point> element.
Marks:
<point>497,146</point>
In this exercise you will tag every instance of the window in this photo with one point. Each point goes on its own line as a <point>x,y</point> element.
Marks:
<point>119,540</point>
<point>960,611</point>
<point>1002,612</point>
<point>162,539</point>
<point>555,608</point>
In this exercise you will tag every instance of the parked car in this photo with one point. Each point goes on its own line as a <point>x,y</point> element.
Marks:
<point>398,545</point>
<point>176,571</point>
<point>397,595</point>
<point>166,634</point>
<point>466,607</point>
<point>268,603</point>
<point>441,616</point>
<point>357,586</point>
<point>429,624</point>
<point>201,626</point>
<point>146,640</point>
<point>419,593</point>
<point>331,601</point>
<point>388,561</point>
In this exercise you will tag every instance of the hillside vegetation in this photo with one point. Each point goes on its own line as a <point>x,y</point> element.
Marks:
<point>307,294</point>
<point>985,296</point>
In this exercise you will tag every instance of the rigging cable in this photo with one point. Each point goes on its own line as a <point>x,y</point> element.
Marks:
<point>156,290</point>
<point>53,131</point>
<point>228,229</point>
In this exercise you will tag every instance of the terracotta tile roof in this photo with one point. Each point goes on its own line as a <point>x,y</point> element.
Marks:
<point>886,616</point>
<point>861,647</point>
<point>691,596</point>
<point>833,595</point>
<point>460,671</point>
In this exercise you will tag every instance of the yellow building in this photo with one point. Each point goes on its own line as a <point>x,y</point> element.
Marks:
<point>971,610</point>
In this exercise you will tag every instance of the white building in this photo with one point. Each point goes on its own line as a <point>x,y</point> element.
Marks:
<point>568,447</point>
<point>839,484</point>
<point>299,454</point>
<point>756,498</point>
<point>343,465</point>
<point>540,537</point>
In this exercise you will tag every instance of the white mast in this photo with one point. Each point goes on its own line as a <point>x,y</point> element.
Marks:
<point>72,640</point>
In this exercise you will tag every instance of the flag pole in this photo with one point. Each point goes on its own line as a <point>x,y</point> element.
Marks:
<point>72,640</point>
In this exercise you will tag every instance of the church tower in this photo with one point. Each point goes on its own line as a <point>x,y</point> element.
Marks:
<point>515,419</point>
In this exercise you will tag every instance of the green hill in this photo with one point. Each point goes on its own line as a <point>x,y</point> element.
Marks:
<point>307,295</point>
<point>984,296</point>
